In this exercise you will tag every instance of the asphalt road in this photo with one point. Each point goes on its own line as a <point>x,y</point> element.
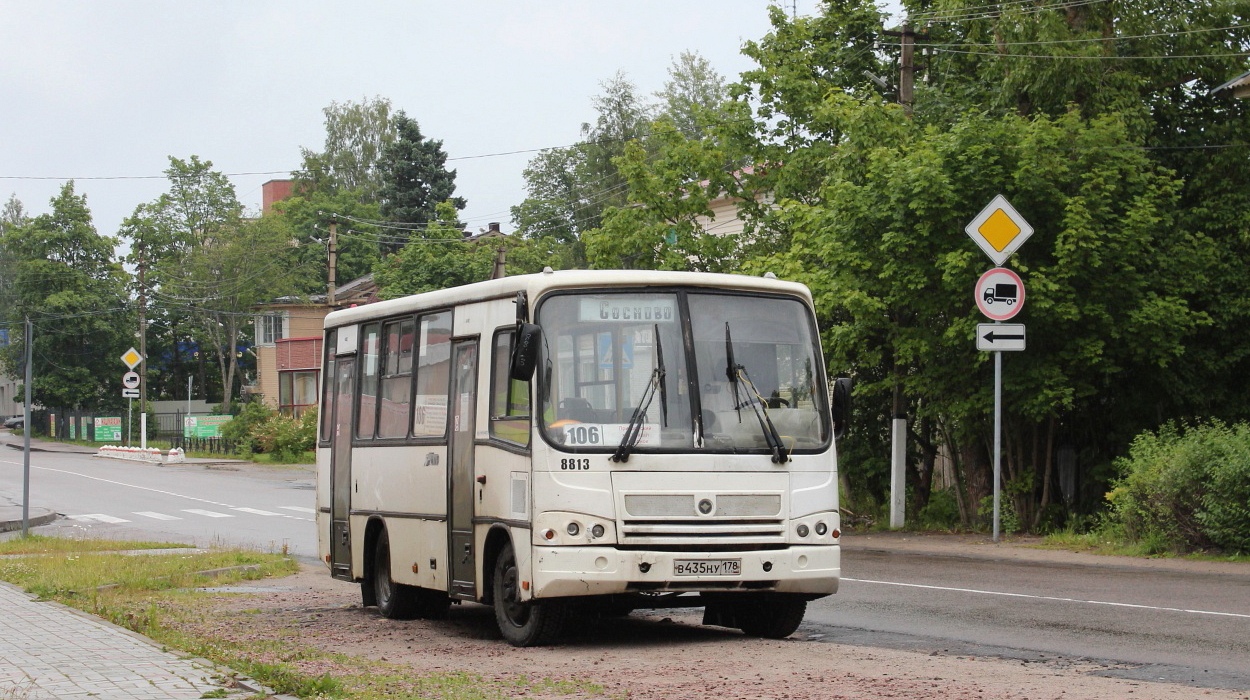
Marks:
<point>246,505</point>
<point>1187,626</point>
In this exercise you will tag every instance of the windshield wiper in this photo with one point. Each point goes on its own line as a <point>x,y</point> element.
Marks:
<point>633,431</point>
<point>738,373</point>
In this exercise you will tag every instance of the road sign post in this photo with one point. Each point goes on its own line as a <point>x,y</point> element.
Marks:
<point>999,231</point>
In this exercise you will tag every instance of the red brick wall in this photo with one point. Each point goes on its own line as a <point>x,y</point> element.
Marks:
<point>299,353</point>
<point>273,191</point>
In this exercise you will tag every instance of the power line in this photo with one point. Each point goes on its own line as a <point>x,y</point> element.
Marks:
<point>931,44</point>
<point>1087,57</point>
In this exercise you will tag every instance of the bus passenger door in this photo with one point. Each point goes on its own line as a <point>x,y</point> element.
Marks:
<point>341,468</point>
<point>460,473</point>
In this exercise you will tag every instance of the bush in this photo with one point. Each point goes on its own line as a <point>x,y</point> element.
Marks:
<point>1181,490</point>
<point>242,428</point>
<point>286,438</point>
<point>942,512</point>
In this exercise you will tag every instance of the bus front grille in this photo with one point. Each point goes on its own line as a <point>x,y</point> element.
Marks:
<point>657,531</point>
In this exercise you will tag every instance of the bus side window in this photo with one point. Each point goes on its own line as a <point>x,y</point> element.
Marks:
<point>509,398</point>
<point>366,421</point>
<point>396,379</point>
<point>433,343</point>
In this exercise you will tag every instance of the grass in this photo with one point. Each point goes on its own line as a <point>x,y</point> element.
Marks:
<point>41,544</point>
<point>155,596</point>
<point>1102,543</point>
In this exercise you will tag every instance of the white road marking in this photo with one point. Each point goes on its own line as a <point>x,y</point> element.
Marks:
<point>1048,597</point>
<point>97,518</point>
<point>298,509</point>
<point>156,516</point>
<point>208,513</point>
<point>133,486</point>
<point>256,511</point>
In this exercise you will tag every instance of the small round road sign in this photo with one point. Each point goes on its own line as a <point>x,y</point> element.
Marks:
<point>999,294</point>
<point>130,380</point>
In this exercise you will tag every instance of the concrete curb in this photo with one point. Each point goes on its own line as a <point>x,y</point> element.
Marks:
<point>45,517</point>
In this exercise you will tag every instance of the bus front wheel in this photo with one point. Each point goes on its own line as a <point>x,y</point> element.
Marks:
<point>523,623</point>
<point>774,616</point>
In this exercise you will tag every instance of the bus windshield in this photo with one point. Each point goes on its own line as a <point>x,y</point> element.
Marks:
<point>617,366</point>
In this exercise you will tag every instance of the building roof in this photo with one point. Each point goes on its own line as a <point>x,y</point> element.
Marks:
<point>1239,85</point>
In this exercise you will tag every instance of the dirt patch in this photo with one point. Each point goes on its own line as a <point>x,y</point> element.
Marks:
<point>651,655</point>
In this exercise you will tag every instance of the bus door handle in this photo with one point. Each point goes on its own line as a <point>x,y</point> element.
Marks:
<point>468,553</point>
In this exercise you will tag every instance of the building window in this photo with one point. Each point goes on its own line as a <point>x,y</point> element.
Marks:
<point>297,391</point>
<point>270,328</point>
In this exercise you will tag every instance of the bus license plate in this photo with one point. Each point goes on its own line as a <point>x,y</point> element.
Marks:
<point>707,567</point>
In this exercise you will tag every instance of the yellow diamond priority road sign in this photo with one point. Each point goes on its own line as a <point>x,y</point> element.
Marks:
<point>132,357</point>
<point>999,229</point>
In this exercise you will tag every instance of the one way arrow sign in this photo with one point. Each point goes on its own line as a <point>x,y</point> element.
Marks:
<point>1000,336</point>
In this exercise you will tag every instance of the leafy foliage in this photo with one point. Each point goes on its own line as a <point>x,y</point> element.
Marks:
<point>1184,489</point>
<point>434,258</point>
<point>356,136</point>
<point>209,264</point>
<point>415,179</point>
<point>58,271</point>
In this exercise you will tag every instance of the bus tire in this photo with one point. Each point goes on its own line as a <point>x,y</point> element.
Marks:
<point>523,624</point>
<point>395,600</point>
<point>772,617</point>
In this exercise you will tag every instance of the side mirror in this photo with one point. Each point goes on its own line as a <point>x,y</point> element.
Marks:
<point>525,352</point>
<point>840,397</point>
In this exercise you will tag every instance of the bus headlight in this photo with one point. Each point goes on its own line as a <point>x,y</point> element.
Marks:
<point>596,531</point>
<point>802,530</point>
<point>573,529</point>
<point>821,528</point>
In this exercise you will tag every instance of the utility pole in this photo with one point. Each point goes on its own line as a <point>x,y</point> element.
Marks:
<point>334,259</point>
<point>907,69</point>
<point>898,418</point>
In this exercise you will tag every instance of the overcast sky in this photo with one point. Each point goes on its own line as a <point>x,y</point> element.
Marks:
<point>105,92</point>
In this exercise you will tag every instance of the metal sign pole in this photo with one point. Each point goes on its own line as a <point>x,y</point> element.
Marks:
<point>26,428</point>
<point>998,435</point>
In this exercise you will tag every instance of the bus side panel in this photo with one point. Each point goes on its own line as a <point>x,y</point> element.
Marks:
<point>414,544</point>
<point>323,505</point>
<point>504,497</point>
<point>406,485</point>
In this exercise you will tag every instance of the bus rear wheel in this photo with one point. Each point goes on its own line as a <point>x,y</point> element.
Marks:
<point>394,600</point>
<point>523,623</point>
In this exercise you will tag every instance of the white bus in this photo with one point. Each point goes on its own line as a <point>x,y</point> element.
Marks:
<point>580,441</point>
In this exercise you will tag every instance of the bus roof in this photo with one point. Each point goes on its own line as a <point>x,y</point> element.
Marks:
<point>537,284</point>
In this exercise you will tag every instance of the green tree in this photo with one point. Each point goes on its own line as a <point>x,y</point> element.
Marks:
<point>359,243</point>
<point>65,279</point>
<point>414,174</point>
<point>875,204</point>
<point>659,228</point>
<point>693,95</point>
<point>435,258</point>
<point>567,189</point>
<point>208,265</point>
<point>356,136</point>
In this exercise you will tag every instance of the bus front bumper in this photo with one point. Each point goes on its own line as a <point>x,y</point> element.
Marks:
<point>583,571</point>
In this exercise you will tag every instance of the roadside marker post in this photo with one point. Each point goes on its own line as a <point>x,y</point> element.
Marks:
<point>999,231</point>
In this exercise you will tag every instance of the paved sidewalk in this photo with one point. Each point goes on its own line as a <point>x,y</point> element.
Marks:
<point>51,651</point>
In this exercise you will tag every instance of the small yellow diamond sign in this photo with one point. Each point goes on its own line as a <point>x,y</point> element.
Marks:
<point>132,357</point>
<point>999,229</point>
